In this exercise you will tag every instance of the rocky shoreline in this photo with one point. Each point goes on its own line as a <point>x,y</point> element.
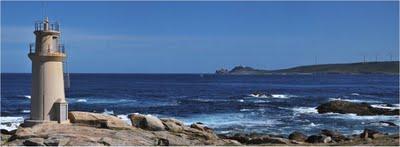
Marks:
<point>96,129</point>
<point>325,137</point>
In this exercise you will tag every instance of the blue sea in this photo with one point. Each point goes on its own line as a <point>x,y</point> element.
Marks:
<point>226,103</point>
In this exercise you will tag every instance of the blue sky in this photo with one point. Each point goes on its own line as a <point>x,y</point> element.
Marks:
<point>199,37</point>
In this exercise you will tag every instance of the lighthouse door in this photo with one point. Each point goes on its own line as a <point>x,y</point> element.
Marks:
<point>54,43</point>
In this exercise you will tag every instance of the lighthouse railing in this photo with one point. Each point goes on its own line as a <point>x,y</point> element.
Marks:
<point>58,49</point>
<point>52,26</point>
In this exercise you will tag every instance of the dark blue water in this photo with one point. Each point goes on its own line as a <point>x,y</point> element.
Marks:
<point>222,102</point>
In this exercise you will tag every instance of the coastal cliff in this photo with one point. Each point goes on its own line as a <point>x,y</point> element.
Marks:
<point>387,67</point>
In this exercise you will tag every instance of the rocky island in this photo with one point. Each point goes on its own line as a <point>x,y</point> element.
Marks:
<point>384,67</point>
<point>94,129</point>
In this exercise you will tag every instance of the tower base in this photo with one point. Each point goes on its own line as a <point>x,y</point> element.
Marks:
<point>31,123</point>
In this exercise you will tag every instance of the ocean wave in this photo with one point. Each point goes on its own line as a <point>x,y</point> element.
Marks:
<point>278,96</point>
<point>380,123</point>
<point>259,96</point>
<point>313,125</point>
<point>206,100</point>
<point>386,106</point>
<point>282,96</point>
<point>304,109</point>
<point>81,100</point>
<point>227,120</point>
<point>355,94</point>
<point>260,101</point>
<point>367,117</point>
<point>26,111</point>
<point>241,100</point>
<point>101,100</point>
<point>111,112</point>
<point>245,110</point>
<point>353,100</point>
<point>23,96</point>
<point>10,123</point>
<point>250,110</point>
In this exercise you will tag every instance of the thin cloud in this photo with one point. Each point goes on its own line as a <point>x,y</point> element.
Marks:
<point>17,34</point>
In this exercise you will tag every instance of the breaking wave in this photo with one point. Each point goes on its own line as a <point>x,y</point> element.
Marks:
<point>125,118</point>
<point>353,100</point>
<point>278,96</point>
<point>111,112</point>
<point>226,120</point>
<point>81,100</point>
<point>305,109</point>
<point>10,123</point>
<point>23,96</point>
<point>26,111</point>
<point>386,106</point>
<point>358,117</point>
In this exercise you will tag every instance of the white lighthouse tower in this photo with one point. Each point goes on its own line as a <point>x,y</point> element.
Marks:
<point>47,54</point>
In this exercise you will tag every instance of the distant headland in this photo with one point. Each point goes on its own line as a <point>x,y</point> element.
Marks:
<point>384,67</point>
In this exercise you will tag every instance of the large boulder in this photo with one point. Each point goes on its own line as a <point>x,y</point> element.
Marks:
<point>298,136</point>
<point>336,136</point>
<point>318,139</point>
<point>266,139</point>
<point>56,141</point>
<point>172,124</point>
<point>201,127</point>
<point>356,108</point>
<point>4,131</point>
<point>34,142</point>
<point>147,122</point>
<point>23,133</point>
<point>97,120</point>
<point>256,138</point>
<point>368,133</point>
<point>242,138</point>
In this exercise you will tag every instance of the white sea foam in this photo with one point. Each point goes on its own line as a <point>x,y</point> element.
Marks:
<point>244,110</point>
<point>355,94</point>
<point>353,100</point>
<point>260,101</point>
<point>313,125</point>
<point>10,123</point>
<point>241,100</point>
<point>379,124</point>
<point>81,100</point>
<point>357,131</point>
<point>385,106</point>
<point>278,96</point>
<point>26,111</point>
<point>108,112</point>
<point>228,120</point>
<point>24,96</point>
<point>93,100</point>
<point>305,109</point>
<point>125,118</point>
<point>369,117</point>
<point>281,96</point>
<point>259,95</point>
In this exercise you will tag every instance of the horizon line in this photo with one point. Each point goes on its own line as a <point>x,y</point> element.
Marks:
<point>201,72</point>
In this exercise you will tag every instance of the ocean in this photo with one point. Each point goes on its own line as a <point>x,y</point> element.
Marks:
<point>226,103</point>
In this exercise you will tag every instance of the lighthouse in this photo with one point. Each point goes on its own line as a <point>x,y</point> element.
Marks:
<point>48,102</point>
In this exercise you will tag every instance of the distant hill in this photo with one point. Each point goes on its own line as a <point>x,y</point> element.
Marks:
<point>385,67</point>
